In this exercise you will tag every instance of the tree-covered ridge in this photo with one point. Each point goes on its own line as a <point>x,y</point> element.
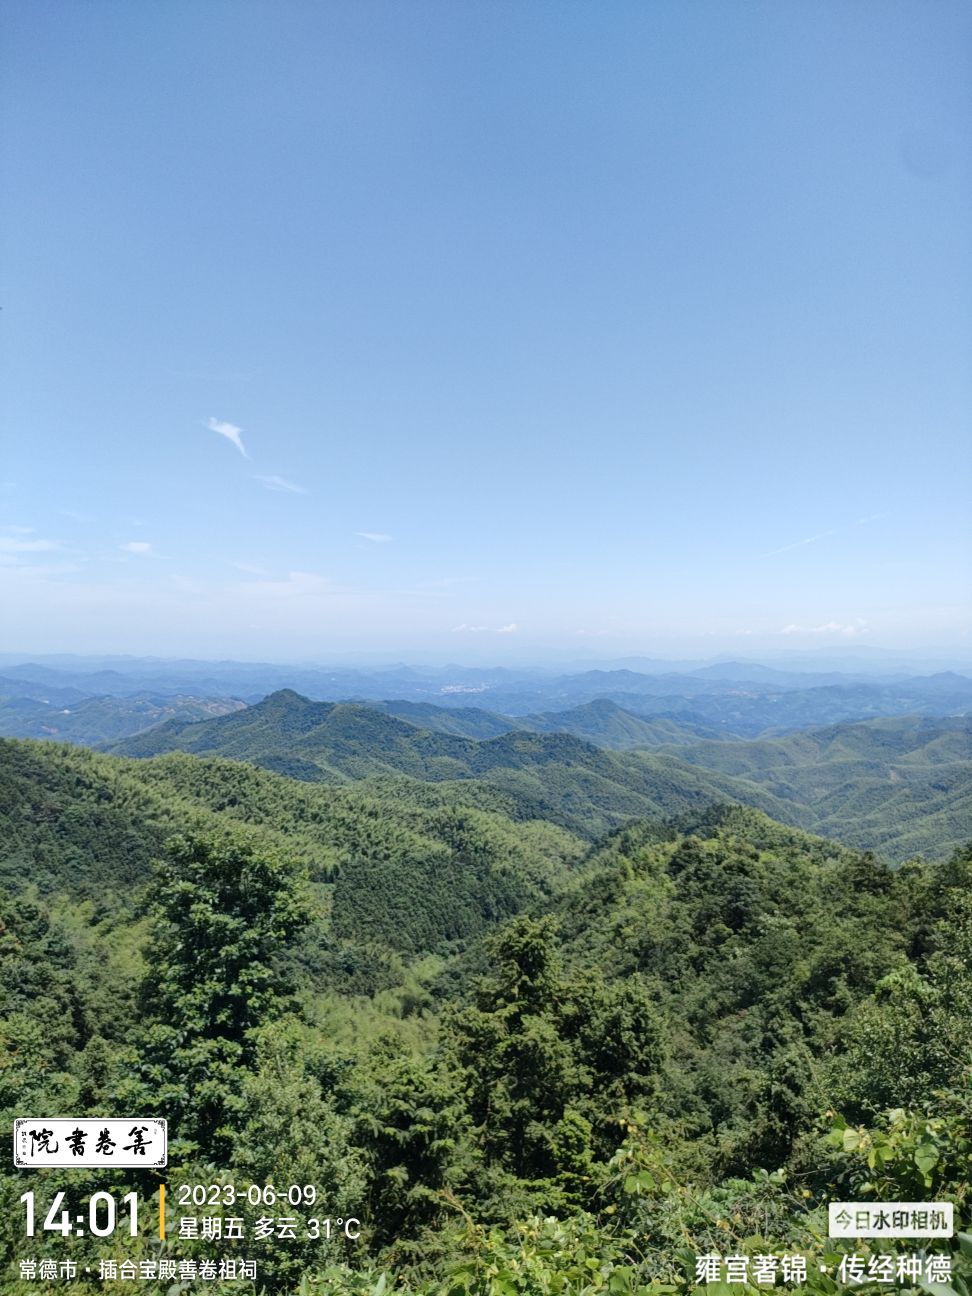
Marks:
<point>98,721</point>
<point>750,934</point>
<point>601,722</point>
<point>353,740</point>
<point>901,785</point>
<point>555,777</point>
<point>405,874</point>
<point>606,724</point>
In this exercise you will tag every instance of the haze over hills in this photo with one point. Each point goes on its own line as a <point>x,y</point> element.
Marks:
<point>601,722</point>
<point>162,674</point>
<point>94,721</point>
<point>726,698</point>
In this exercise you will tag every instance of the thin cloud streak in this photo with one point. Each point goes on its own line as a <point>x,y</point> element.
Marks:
<point>822,535</point>
<point>481,629</point>
<point>283,484</point>
<point>16,544</point>
<point>850,630</point>
<point>230,431</point>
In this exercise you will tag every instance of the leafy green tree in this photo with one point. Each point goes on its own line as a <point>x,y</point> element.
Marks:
<point>548,1062</point>
<point>410,1125</point>
<point>519,1072</point>
<point>223,912</point>
<point>290,1132</point>
<point>40,1016</point>
<point>910,1040</point>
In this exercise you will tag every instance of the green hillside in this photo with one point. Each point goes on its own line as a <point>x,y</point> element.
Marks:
<point>97,721</point>
<point>506,1051</point>
<point>406,874</point>
<point>606,724</point>
<point>900,786</point>
<point>601,722</point>
<point>556,777</point>
<point>464,722</point>
<point>343,740</point>
<point>738,924</point>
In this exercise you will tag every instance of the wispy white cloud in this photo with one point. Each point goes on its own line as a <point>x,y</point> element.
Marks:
<point>296,584</point>
<point>15,544</point>
<point>230,431</point>
<point>376,537</point>
<point>137,547</point>
<point>822,535</point>
<point>275,483</point>
<point>250,569</point>
<point>850,629</point>
<point>798,544</point>
<point>19,547</point>
<point>32,573</point>
<point>482,629</point>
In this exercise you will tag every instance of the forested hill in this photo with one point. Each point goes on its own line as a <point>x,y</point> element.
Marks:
<point>395,871</point>
<point>601,722</point>
<point>556,777</point>
<point>902,786</point>
<point>400,865</point>
<point>342,739</point>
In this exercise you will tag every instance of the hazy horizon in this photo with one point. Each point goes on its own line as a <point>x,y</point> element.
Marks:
<point>864,659</point>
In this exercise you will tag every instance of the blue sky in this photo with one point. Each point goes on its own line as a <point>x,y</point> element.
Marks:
<point>485,330</point>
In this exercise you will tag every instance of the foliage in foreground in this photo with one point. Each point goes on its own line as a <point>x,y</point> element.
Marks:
<point>688,1043</point>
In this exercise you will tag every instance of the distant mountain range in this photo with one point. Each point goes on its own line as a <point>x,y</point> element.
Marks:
<point>878,763</point>
<point>67,715</point>
<point>601,722</point>
<point>725,699</point>
<point>903,785</point>
<point>552,776</point>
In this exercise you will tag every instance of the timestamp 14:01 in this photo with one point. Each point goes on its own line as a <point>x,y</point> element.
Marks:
<point>100,1221</point>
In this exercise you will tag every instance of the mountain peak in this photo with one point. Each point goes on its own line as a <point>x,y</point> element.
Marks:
<point>283,699</point>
